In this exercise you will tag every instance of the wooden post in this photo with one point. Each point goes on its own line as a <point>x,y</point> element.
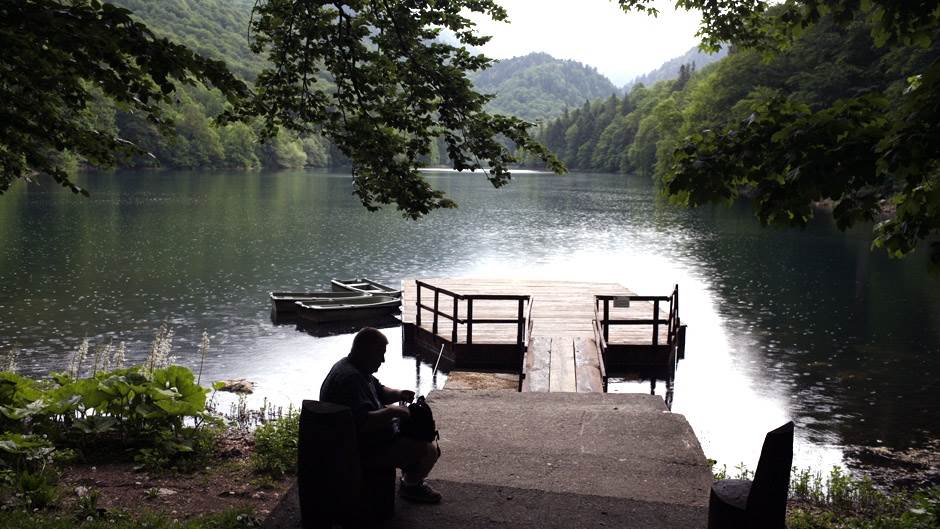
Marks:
<point>418,297</point>
<point>606,319</point>
<point>437,295</point>
<point>455,321</point>
<point>656,322</point>
<point>469,321</point>
<point>520,322</point>
<point>669,322</point>
<point>520,348</point>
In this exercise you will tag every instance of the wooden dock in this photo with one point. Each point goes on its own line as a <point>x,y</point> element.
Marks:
<point>557,336</point>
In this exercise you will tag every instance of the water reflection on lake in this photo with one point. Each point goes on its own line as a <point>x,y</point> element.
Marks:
<point>795,324</point>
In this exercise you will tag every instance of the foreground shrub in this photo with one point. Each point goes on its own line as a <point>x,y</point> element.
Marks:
<point>275,451</point>
<point>918,510</point>
<point>231,519</point>
<point>838,500</point>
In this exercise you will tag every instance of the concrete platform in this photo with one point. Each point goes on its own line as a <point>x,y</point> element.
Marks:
<point>556,460</point>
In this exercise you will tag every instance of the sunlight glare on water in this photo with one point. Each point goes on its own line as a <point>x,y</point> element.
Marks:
<point>783,324</point>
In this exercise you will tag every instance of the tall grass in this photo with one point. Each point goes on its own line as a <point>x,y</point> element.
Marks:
<point>839,500</point>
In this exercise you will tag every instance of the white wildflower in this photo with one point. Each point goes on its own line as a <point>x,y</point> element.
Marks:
<point>203,350</point>
<point>117,362</point>
<point>75,365</point>
<point>106,357</point>
<point>9,361</point>
<point>159,356</point>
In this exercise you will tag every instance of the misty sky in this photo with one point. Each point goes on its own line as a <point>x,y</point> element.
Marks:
<point>595,32</point>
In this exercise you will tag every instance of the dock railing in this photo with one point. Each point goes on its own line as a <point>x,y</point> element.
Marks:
<point>671,321</point>
<point>675,331</point>
<point>520,321</point>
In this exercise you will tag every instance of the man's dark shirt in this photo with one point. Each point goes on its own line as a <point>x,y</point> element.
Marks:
<point>347,385</point>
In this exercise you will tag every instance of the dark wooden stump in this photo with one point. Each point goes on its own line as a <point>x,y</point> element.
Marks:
<point>727,504</point>
<point>761,504</point>
<point>332,485</point>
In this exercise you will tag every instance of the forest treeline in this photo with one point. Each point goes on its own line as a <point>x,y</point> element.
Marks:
<point>669,70</point>
<point>639,131</point>
<point>538,86</point>
<point>218,30</point>
<point>533,87</point>
<point>635,132</point>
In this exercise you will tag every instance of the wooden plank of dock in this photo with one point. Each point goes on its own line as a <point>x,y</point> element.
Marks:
<point>562,372</point>
<point>587,366</point>
<point>563,355</point>
<point>538,364</point>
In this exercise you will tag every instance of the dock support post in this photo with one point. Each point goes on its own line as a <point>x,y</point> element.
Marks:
<point>437,296</point>
<point>606,319</point>
<point>418,302</point>
<point>520,323</point>
<point>656,322</point>
<point>454,341</point>
<point>469,321</point>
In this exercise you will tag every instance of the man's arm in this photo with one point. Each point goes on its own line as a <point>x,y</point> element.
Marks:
<point>391,396</point>
<point>379,419</point>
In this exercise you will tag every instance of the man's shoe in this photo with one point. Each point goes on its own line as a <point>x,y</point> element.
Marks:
<point>421,493</point>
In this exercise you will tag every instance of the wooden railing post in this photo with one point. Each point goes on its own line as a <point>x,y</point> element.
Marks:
<point>455,321</point>
<point>437,295</point>
<point>656,322</point>
<point>520,322</point>
<point>606,319</point>
<point>469,321</point>
<point>418,297</point>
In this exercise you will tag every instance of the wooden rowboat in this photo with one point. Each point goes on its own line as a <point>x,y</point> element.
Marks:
<point>364,285</point>
<point>283,302</point>
<point>346,309</point>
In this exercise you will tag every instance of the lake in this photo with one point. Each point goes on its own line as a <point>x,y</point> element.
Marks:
<point>803,324</point>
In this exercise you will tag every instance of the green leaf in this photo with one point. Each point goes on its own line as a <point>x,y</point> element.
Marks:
<point>95,424</point>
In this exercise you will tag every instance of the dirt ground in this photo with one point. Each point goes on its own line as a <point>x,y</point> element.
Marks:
<point>226,482</point>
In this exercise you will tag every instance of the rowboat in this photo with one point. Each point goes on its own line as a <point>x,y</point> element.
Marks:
<point>364,285</point>
<point>345,309</point>
<point>283,302</point>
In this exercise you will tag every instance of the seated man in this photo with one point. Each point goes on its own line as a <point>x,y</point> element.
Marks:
<point>350,383</point>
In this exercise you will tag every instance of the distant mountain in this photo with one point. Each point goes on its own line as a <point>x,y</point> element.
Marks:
<point>217,29</point>
<point>539,86</point>
<point>670,69</point>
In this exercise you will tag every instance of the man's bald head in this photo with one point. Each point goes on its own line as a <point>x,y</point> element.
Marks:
<point>368,349</point>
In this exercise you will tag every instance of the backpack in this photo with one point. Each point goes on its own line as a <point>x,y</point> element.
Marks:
<point>420,425</point>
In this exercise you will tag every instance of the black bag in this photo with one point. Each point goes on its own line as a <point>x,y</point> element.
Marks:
<point>420,425</point>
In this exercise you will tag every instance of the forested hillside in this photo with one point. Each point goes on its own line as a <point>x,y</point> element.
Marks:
<point>640,131</point>
<point>670,69</point>
<point>217,29</point>
<point>538,86</point>
<point>533,87</point>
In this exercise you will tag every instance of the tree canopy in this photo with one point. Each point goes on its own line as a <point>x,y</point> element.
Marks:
<point>394,88</point>
<point>372,77</point>
<point>57,55</point>
<point>871,159</point>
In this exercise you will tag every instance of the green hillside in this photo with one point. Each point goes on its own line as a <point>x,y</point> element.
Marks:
<point>670,69</point>
<point>640,131</point>
<point>214,28</point>
<point>538,86</point>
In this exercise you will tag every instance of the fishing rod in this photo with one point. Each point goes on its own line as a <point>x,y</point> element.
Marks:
<point>439,355</point>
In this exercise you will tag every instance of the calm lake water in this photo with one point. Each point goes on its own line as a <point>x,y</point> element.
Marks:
<point>808,325</point>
